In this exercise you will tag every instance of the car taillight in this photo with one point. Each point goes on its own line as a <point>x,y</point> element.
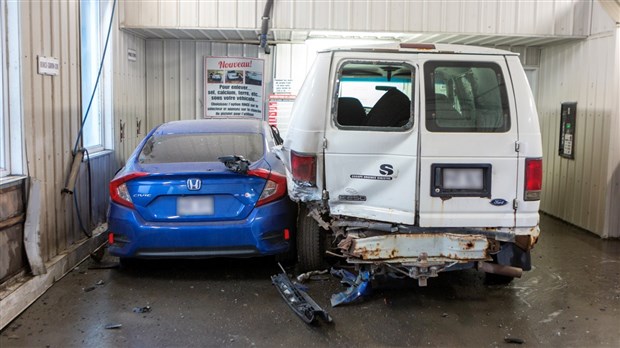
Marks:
<point>304,169</point>
<point>275,188</point>
<point>118,189</point>
<point>533,179</point>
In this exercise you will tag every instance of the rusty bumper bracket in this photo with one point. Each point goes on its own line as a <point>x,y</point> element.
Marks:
<point>300,302</point>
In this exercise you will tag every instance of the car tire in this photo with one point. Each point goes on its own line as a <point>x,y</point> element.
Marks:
<point>310,246</point>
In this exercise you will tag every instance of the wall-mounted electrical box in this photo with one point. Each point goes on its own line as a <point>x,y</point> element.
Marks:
<point>568,117</point>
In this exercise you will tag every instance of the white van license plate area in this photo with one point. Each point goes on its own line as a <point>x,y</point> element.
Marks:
<point>408,247</point>
<point>461,180</point>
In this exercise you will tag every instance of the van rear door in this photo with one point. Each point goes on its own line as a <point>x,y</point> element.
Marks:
<point>371,138</point>
<point>469,137</point>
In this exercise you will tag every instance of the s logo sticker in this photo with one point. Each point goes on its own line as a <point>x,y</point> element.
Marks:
<point>386,169</point>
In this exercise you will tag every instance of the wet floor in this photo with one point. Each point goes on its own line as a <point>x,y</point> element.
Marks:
<point>570,298</point>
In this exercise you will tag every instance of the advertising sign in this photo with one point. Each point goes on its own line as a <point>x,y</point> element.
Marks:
<point>233,87</point>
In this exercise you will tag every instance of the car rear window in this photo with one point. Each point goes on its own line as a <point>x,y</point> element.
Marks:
<point>465,97</point>
<point>202,147</point>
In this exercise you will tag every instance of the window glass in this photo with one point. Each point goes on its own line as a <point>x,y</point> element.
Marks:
<point>465,97</point>
<point>201,147</point>
<point>375,94</point>
<point>94,22</point>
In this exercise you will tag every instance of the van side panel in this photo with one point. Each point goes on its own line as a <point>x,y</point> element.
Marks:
<point>306,132</point>
<point>530,145</point>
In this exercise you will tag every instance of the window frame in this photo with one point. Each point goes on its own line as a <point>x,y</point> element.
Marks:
<point>336,95</point>
<point>90,56</point>
<point>429,89</point>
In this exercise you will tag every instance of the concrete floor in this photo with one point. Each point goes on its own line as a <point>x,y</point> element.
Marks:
<point>570,298</point>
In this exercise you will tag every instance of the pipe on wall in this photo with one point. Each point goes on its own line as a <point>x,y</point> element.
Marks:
<point>264,29</point>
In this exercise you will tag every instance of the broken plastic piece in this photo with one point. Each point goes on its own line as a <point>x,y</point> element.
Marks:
<point>235,163</point>
<point>305,276</point>
<point>300,302</point>
<point>144,309</point>
<point>345,276</point>
<point>361,287</point>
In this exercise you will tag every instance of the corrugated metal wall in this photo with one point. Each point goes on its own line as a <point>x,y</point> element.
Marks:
<point>175,76</point>
<point>553,17</point>
<point>237,14</point>
<point>51,113</point>
<point>576,190</point>
<point>612,211</point>
<point>129,94</point>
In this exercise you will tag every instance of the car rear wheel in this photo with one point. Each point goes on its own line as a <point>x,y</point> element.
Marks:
<point>310,245</point>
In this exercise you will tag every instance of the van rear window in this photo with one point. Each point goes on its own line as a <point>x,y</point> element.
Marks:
<point>375,95</point>
<point>465,97</point>
<point>201,147</point>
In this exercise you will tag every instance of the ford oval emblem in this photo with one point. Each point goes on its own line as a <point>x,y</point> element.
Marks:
<point>499,202</point>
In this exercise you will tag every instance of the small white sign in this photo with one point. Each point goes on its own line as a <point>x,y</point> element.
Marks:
<point>132,55</point>
<point>48,66</point>
<point>282,86</point>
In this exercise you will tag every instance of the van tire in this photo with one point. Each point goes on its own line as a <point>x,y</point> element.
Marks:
<point>310,249</point>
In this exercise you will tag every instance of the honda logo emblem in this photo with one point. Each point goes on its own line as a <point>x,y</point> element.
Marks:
<point>194,184</point>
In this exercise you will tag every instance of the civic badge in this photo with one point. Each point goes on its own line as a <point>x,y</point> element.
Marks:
<point>194,184</point>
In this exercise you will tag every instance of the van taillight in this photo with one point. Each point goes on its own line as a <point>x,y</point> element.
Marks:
<point>533,179</point>
<point>304,169</point>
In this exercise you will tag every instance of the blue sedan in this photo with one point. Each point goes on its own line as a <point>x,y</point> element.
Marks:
<point>202,188</point>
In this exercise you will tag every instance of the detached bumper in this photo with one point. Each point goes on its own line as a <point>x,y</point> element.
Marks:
<point>402,248</point>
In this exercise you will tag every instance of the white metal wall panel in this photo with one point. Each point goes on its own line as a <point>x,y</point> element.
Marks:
<point>51,109</point>
<point>129,94</point>
<point>601,20</point>
<point>554,17</point>
<point>575,190</point>
<point>612,201</point>
<point>175,76</point>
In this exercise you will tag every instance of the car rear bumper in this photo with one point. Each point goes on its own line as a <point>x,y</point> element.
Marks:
<point>261,233</point>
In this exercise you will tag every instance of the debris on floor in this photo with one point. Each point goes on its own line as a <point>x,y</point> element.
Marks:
<point>297,299</point>
<point>100,282</point>
<point>358,286</point>
<point>308,275</point>
<point>113,326</point>
<point>514,340</point>
<point>145,309</point>
<point>88,289</point>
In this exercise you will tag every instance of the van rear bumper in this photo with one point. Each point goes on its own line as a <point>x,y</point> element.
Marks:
<point>398,248</point>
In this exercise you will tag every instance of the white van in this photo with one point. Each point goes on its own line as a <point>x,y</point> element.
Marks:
<point>415,159</point>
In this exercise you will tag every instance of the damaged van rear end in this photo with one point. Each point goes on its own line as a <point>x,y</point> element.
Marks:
<point>415,160</point>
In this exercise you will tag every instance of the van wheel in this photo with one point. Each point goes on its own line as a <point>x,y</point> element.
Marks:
<point>310,248</point>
